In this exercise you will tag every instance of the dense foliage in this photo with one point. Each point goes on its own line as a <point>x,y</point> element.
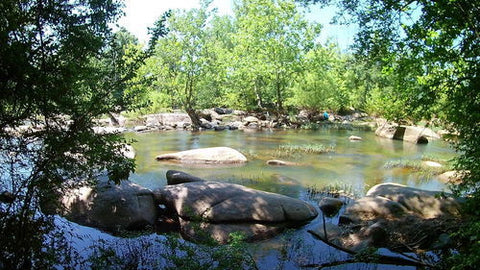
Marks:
<point>265,57</point>
<point>58,72</point>
<point>430,49</point>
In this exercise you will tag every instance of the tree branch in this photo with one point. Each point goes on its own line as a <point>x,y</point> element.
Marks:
<point>376,258</point>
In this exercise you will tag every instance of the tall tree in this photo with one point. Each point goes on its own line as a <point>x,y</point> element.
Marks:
<point>121,59</point>
<point>52,87</point>
<point>182,57</point>
<point>272,37</point>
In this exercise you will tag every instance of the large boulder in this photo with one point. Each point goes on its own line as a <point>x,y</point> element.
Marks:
<point>371,208</point>
<point>424,203</point>
<point>406,133</point>
<point>110,207</point>
<point>397,217</point>
<point>213,155</point>
<point>223,208</point>
<point>395,201</point>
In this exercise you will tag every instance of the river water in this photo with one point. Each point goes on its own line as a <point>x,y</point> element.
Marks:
<point>355,165</point>
<point>360,164</point>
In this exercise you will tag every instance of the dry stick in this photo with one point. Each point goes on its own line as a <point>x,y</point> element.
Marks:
<point>380,259</point>
<point>324,227</point>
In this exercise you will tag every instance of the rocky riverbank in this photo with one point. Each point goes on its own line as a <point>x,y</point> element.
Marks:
<point>226,119</point>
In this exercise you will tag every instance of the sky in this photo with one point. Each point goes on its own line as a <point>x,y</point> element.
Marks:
<point>141,14</point>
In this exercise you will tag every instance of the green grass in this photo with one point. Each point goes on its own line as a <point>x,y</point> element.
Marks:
<point>418,166</point>
<point>305,148</point>
<point>335,190</point>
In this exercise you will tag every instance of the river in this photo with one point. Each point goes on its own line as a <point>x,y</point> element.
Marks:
<point>353,165</point>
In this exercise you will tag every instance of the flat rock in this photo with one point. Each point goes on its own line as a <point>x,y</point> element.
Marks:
<point>213,155</point>
<point>432,164</point>
<point>355,138</point>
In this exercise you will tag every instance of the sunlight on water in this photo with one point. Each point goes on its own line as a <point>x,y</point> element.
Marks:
<point>360,164</point>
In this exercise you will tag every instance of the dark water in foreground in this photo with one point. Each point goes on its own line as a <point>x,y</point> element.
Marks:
<point>357,164</point>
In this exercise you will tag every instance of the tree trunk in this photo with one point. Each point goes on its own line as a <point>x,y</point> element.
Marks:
<point>196,123</point>
<point>257,94</point>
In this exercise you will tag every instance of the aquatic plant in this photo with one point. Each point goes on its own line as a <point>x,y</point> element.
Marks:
<point>336,190</point>
<point>305,148</point>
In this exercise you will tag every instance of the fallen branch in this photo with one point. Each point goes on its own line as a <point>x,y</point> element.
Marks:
<point>375,258</point>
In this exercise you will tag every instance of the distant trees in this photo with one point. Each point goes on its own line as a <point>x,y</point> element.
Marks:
<point>270,43</point>
<point>265,57</point>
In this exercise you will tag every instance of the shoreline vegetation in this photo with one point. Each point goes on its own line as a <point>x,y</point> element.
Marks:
<point>235,119</point>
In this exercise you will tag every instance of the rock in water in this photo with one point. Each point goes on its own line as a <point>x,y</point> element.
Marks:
<point>111,207</point>
<point>178,177</point>
<point>221,208</point>
<point>355,138</point>
<point>276,162</point>
<point>370,208</point>
<point>406,133</point>
<point>427,204</point>
<point>213,155</point>
<point>330,206</point>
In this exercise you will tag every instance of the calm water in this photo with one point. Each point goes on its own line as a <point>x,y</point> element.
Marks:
<point>359,164</point>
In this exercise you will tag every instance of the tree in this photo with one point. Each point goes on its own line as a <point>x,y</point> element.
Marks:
<point>52,88</point>
<point>322,85</point>
<point>182,57</point>
<point>269,44</point>
<point>431,49</point>
<point>121,59</point>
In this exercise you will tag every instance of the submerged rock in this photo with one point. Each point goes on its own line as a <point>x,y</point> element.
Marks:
<point>213,155</point>
<point>276,162</point>
<point>221,208</point>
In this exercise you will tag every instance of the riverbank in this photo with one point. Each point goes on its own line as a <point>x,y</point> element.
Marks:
<point>227,119</point>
